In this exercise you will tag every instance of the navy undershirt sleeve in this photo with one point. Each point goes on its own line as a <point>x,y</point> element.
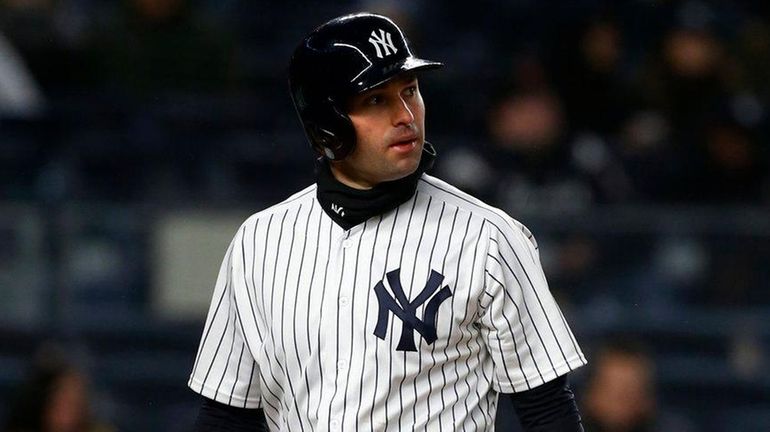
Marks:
<point>550,407</point>
<point>216,417</point>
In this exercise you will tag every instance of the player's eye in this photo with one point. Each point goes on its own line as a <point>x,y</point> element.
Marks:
<point>411,90</point>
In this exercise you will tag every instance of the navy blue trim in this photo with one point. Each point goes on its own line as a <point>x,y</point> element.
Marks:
<point>217,417</point>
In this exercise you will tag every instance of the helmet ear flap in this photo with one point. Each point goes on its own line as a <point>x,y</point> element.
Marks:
<point>335,136</point>
<point>324,141</point>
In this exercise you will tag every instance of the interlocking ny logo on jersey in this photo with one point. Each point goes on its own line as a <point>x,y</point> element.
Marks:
<point>406,310</point>
<point>383,42</point>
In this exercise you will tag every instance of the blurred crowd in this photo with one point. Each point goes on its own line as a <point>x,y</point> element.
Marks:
<point>55,396</point>
<point>552,108</point>
<point>652,101</point>
<point>542,105</point>
<point>621,394</point>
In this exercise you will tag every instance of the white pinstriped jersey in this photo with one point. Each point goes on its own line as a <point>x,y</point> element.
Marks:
<point>412,320</point>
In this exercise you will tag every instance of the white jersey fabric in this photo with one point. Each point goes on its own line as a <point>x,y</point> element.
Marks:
<point>413,320</point>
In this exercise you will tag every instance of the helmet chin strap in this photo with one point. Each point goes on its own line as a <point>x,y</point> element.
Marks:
<point>428,148</point>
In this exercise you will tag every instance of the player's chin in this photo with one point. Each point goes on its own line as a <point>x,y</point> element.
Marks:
<point>406,166</point>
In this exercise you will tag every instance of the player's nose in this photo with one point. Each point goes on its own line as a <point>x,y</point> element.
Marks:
<point>402,113</point>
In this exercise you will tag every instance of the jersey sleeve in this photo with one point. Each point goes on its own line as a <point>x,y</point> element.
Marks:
<point>525,331</point>
<point>224,368</point>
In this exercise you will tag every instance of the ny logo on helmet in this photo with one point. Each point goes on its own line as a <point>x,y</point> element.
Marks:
<point>383,42</point>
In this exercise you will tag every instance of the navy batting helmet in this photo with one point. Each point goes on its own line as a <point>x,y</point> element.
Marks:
<point>343,57</point>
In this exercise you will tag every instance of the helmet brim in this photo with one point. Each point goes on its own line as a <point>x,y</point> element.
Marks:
<point>371,79</point>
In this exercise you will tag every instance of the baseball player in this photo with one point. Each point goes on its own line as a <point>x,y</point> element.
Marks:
<point>379,298</point>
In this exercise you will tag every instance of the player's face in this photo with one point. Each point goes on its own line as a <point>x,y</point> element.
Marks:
<point>390,129</point>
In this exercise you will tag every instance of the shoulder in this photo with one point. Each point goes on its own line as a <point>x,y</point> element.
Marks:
<point>303,198</point>
<point>498,222</point>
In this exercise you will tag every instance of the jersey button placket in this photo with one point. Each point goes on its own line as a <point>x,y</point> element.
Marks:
<point>345,260</point>
<point>334,425</point>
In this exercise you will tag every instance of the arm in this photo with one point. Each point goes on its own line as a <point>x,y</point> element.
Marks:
<point>229,376</point>
<point>216,417</point>
<point>550,407</point>
<point>527,334</point>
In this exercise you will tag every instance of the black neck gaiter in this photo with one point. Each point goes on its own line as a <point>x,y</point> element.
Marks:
<point>349,207</point>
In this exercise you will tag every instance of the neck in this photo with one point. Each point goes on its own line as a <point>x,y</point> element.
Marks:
<point>349,204</point>
<point>348,180</point>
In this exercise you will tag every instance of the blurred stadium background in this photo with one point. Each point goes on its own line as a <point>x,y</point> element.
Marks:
<point>630,136</point>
